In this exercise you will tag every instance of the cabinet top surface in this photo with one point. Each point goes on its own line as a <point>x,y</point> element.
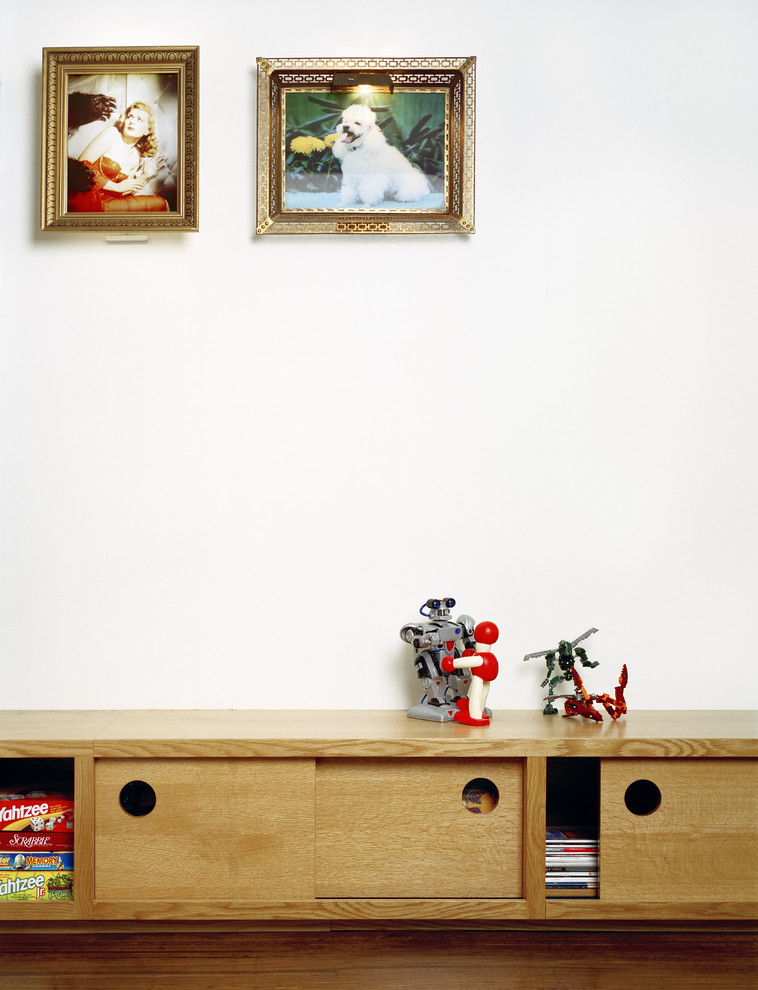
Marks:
<point>371,734</point>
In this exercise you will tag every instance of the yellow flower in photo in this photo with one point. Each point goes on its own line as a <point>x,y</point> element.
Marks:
<point>330,139</point>
<point>306,145</point>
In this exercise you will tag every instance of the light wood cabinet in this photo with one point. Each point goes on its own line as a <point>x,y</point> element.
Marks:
<point>345,818</point>
<point>399,828</point>
<point>221,830</point>
<point>691,831</point>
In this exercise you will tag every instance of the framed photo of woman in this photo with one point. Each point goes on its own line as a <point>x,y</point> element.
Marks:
<point>119,143</point>
<point>366,146</point>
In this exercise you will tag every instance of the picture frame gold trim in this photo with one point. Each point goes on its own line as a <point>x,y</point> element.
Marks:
<point>453,77</point>
<point>169,69</point>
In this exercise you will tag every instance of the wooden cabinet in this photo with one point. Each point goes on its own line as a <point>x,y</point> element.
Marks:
<point>221,830</point>
<point>686,829</point>
<point>337,819</point>
<point>400,828</point>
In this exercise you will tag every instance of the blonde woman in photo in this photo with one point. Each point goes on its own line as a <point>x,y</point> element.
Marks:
<point>123,158</point>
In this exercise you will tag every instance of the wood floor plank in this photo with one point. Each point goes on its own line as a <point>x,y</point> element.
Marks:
<point>380,961</point>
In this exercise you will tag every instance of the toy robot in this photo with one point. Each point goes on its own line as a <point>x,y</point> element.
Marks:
<point>484,667</point>
<point>434,640</point>
<point>566,654</point>
<point>581,702</point>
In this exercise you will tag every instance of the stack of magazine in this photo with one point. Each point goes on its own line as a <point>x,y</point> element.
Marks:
<point>571,862</point>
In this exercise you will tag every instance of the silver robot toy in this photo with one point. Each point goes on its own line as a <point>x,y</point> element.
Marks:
<point>432,640</point>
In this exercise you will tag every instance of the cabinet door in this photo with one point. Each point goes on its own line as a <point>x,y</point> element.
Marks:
<point>399,828</point>
<point>231,830</point>
<point>678,830</point>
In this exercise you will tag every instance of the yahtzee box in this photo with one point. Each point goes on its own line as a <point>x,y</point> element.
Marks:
<point>37,811</point>
<point>36,885</point>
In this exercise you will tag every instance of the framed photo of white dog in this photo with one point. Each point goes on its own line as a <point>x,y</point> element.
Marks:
<point>366,146</point>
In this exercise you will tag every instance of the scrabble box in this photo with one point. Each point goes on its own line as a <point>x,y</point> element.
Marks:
<point>36,842</point>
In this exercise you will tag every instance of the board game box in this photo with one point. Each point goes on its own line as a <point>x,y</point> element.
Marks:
<point>36,842</point>
<point>36,861</point>
<point>37,811</point>
<point>36,885</point>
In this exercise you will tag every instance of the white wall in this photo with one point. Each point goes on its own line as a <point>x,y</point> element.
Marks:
<point>233,467</point>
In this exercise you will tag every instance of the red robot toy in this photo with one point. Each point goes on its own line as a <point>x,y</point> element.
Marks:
<point>484,667</point>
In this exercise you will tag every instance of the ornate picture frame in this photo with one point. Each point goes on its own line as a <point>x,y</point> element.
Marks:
<point>366,146</point>
<point>119,139</point>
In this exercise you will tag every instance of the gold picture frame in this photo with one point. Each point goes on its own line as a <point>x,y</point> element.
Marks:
<point>313,174</point>
<point>119,139</point>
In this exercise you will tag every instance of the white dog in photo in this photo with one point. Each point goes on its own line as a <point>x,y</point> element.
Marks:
<point>373,170</point>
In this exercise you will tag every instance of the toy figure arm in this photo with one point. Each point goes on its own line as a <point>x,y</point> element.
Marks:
<point>579,684</point>
<point>467,661</point>
<point>419,637</point>
<point>467,625</point>
<point>581,655</point>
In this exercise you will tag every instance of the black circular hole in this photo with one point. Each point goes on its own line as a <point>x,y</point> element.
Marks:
<point>137,798</point>
<point>480,796</point>
<point>642,797</point>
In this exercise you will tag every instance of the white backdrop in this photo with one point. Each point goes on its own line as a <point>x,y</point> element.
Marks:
<point>233,467</point>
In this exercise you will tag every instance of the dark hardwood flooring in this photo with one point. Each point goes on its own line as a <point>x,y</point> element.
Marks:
<point>419,960</point>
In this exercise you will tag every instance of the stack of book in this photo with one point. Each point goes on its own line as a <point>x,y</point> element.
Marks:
<point>571,862</point>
